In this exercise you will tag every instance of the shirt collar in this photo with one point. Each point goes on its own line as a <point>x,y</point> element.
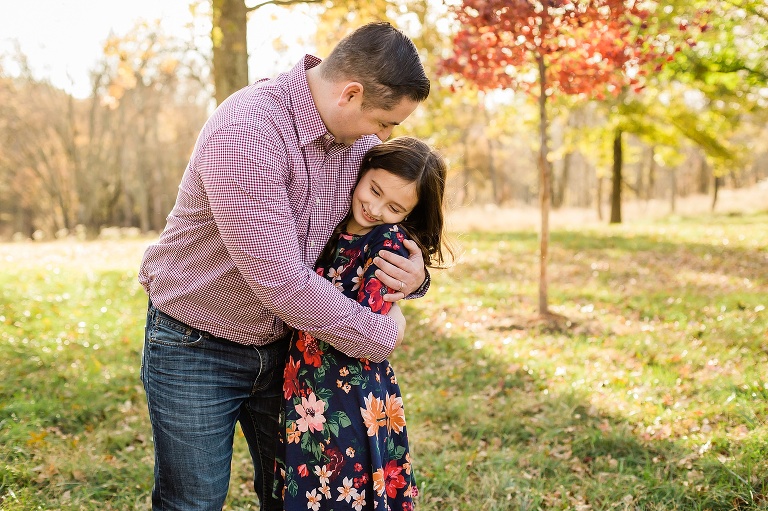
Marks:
<point>309,125</point>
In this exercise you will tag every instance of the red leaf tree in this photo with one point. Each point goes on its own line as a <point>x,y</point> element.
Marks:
<point>542,47</point>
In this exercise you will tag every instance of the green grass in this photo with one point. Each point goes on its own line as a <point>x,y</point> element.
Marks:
<point>654,398</point>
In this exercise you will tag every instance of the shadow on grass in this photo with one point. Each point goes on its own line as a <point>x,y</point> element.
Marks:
<point>489,435</point>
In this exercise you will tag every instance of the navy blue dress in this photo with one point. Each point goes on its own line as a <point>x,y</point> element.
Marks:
<point>343,443</point>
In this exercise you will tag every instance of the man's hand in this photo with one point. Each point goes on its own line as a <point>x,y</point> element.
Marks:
<point>396,314</point>
<point>403,276</point>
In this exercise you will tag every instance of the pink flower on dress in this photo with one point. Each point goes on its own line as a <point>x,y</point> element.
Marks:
<point>311,414</point>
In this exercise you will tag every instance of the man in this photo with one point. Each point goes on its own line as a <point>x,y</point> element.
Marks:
<point>268,180</point>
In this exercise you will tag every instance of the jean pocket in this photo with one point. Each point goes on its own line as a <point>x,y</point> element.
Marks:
<point>170,332</point>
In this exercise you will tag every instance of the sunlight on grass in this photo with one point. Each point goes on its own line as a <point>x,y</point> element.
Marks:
<point>655,397</point>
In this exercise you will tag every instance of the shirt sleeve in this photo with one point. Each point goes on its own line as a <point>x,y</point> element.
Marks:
<point>246,186</point>
<point>423,288</point>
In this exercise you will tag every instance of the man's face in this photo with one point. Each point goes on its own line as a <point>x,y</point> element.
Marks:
<point>356,121</point>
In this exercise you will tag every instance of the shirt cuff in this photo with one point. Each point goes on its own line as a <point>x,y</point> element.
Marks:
<point>423,288</point>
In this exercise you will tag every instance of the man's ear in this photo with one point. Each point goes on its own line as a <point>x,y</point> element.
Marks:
<point>352,92</point>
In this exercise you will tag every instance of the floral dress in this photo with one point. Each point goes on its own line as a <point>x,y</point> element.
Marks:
<point>343,443</point>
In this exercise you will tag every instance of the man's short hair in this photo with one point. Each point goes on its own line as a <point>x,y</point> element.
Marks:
<point>384,60</point>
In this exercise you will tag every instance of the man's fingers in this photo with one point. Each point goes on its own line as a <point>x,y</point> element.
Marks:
<point>393,274</point>
<point>388,280</point>
<point>393,297</point>
<point>412,247</point>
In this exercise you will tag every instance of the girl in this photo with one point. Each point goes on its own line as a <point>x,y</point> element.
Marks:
<point>343,442</point>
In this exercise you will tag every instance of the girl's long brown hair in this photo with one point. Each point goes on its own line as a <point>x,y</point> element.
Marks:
<point>413,161</point>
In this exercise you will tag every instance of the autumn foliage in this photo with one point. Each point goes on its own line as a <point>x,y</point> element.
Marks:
<point>593,46</point>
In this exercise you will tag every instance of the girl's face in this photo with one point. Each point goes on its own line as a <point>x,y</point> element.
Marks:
<point>380,198</point>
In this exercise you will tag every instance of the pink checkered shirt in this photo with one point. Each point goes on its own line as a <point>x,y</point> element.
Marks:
<point>264,188</point>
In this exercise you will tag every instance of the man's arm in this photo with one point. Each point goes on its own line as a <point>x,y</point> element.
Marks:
<point>249,201</point>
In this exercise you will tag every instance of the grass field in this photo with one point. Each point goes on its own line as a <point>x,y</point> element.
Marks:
<point>655,396</point>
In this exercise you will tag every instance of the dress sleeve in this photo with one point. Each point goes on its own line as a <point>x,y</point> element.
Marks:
<point>371,292</point>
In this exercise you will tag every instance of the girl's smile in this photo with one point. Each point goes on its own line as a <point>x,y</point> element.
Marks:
<point>380,197</point>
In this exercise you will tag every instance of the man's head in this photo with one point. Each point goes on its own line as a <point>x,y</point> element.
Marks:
<point>384,61</point>
<point>371,82</point>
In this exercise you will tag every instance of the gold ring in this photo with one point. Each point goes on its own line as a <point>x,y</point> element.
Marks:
<point>402,285</point>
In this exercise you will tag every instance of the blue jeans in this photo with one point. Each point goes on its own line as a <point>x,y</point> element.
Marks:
<point>198,387</point>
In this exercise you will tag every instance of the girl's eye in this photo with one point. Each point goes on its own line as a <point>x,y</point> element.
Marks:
<point>375,192</point>
<point>394,210</point>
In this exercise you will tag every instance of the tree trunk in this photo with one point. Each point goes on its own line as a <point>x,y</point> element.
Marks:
<point>600,198</point>
<point>496,191</point>
<point>493,174</point>
<point>465,173</point>
<point>544,188</point>
<point>642,193</point>
<point>230,49</point>
<point>651,173</point>
<point>618,161</point>
<point>704,175</point>
<point>718,182</point>
<point>672,190</point>
<point>558,197</point>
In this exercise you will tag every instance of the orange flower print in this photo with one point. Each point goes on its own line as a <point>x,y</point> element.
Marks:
<point>294,436</point>
<point>373,414</point>
<point>311,414</point>
<point>378,482</point>
<point>407,464</point>
<point>395,413</point>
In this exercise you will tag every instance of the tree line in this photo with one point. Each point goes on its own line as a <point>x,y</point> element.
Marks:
<point>696,124</point>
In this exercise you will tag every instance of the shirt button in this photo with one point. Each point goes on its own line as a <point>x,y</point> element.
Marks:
<point>311,243</point>
<point>327,136</point>
<point>318,201</point>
